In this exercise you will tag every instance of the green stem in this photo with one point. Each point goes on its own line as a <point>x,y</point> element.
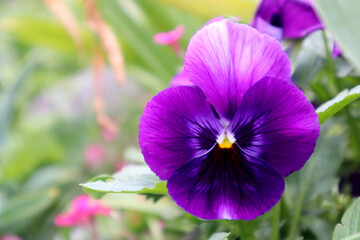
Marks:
<point>275,219</point>
<point>242,229</point>
<point>354,131</point>
<point>296,218</point>
<point>330,63</point>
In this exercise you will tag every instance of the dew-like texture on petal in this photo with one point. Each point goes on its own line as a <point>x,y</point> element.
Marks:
<point>300,19</point>
<point>225,184</point>
<point>177,125</point>
<point>276,123</point>
<point>224,59</point>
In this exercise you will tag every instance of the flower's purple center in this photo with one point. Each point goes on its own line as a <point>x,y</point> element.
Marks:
<point>276,20</point>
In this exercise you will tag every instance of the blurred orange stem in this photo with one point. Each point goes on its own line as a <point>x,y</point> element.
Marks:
<point>63,13</point>
<point>104,121</point>
<point>108,40</point>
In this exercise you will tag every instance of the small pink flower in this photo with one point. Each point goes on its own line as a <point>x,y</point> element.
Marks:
<point>171,38</point>
<point>168,38</point>
<point>109,135</point>
<point>82,211</point>
<point>119,166</point>
<point>10,237</point>
<point>180,79</point>
<point>65,220</point>
<point>94,155</point>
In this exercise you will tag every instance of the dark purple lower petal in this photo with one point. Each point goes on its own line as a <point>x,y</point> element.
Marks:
<point>176,126</point>
<point>300,19</point>
<point>225,185</point>
<point>275,122</point>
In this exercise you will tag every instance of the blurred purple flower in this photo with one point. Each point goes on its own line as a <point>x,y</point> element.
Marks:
<point>287,18</point>
<point>336,50</point>
<point>226,144</point>
<point>82,211</point>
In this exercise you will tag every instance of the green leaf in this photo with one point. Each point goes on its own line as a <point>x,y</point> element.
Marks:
<point>340,17</point>
<point>139,39</point>
<point>350,224</point>
<point>244,9</point>
<point>23,207</point>
<point>9,97</point>
<point>329,152</point>
<point>219,236</point>
<point>131,179</point>
<point>310,59</point>
<point>331,107</point>
<point>164,208</point>
<point>46,149</point>
<point>30,30</point>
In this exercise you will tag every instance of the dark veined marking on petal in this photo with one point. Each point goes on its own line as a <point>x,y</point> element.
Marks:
<point>226,163</point>
<point>276,20</point>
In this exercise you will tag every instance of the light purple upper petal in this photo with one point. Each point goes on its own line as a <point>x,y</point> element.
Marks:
<point>224,59</point>
<point>176,126</point>
<point>300,19</point>
<point>225,184</point>
<point>276,123</point>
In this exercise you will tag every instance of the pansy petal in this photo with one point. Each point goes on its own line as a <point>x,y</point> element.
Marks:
<point>177,125</point>
<point>276,123</point>
<point>265,27</point>
<point>224,59</point>
<point>300,19</point>
<point>225,185</point>
<point>268,8</point>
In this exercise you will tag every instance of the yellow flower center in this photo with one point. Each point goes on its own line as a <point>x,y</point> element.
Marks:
<point>225,143</point>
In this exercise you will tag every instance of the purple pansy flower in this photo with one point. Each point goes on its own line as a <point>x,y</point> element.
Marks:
<point>287,18</point>
<point>225,144</point>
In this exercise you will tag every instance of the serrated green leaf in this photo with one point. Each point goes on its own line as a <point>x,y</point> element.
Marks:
<point>331,107</point>
<point>340,17</point>
<point>131,179</point>
<point>219,236</point>
<point>349,229</point>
